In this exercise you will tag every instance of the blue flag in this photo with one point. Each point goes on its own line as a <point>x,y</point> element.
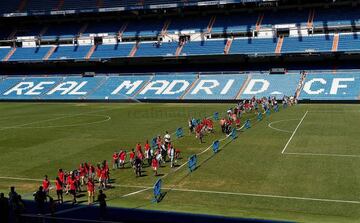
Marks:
<point>192,163</point>
<point>157,190</point>
<point>179,132</point>
<point>234,134</point>
<point>247,124</point>
<point>216,116</point>
<point>216,145</point>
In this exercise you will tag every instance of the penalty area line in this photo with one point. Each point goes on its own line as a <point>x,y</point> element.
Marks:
<point>292,135</point>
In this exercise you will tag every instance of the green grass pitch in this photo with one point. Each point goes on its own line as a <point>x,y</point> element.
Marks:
<point>268,172</point>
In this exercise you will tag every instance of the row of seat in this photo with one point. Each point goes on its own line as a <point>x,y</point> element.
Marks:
<point>152,27</point>
<point>184,86</point>
<point>11,6</point>
<point>245,46</point>
<point>165,86</point>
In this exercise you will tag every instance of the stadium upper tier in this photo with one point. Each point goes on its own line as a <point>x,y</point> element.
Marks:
<point>232,24</point>
<point>183,86</point>
<point>40,7</point>
<point>338,43</point>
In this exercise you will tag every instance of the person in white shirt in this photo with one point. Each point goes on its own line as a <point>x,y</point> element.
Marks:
<point>167,138</point>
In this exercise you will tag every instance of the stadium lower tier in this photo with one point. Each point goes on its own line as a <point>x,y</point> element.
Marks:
<point>344,43</point>
<point>186,86</point>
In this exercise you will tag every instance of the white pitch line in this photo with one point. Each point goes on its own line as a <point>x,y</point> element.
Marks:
<point>281,130</point>
<point>323,154</point>
<point>267,195</point>
<point>145,188</point>
<point>136,192</point>
<point>51,119</point>
<point>292,135</point>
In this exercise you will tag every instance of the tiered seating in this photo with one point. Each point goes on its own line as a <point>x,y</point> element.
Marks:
<point>321,86</point>
<point>4,52</point>
<point>10,82</point>
<point>294,16</point>
<point>143,28</point>
<point>196,24</point>
<point>209,47</point>
<point>240,22</point>
<point>336,17</point>
<point>70,52</point>
<point>152,49</point>
<point>111,88</point>
<point>63,30</point>
<point>349,43</point>
<point>316,43</point>
<point>216,87</point>
<point>110,27</point>
<point>253,46</point>
<point>86,85</point>
<point>29,54</point>
<point>167,87</point>
<point>327,86</point>
<point>271,85</point>
<point>112,51</point>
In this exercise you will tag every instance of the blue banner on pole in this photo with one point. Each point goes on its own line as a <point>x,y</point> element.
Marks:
<point>234,134</point>
<point>216,146</point>
<point>153,143</point>
<point>179,132</point>
<point>259,116</point>
<point>216,116</point>
<point>192,163</point>
<point>247,124</point>
<point>157,190</point>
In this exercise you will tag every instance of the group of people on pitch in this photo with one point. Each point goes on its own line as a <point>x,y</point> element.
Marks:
<point>73,182</point>
<point>200,128</point>
<point>160,153</point>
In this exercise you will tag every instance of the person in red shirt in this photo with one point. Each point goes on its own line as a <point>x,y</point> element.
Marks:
<point>68,179</point>
<point>59,189</point>
<point>132,158</point>
<point>98,171</point>
<point>199,132</point>
<point>46,185</point>
<point>155,166</point>
<point>72,184</point>
<point>148,152</point>
<point>102,179</point>
<point>82,174</point>
<point>91,191</point>
<point>122,157</point>
<point>61,176</point>
<point>115,160</point>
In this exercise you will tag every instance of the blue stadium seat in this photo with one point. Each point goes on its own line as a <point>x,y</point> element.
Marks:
<point>29,54</point>
<point>167,87</point>
<point>349,43</point>
<point>309,44</point>
<point>240,22</point>
<point>209,47</point>
<point>253,46</point>
<point>151,49</point>
<point>328,86</point>
<point>112,51</point>
<point>70,52</point>
<point>3,52</point>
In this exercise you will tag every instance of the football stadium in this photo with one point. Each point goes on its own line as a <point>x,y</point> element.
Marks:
<point>179,111</point>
